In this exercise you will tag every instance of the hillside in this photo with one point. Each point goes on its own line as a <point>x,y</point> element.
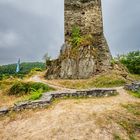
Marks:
<point>25,68</point>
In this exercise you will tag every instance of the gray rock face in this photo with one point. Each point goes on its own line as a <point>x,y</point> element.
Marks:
<point>86,67</point>
<point>68,68</point>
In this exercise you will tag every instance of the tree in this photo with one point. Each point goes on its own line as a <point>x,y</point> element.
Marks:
<point>47,59</point>
<point>131,61</point>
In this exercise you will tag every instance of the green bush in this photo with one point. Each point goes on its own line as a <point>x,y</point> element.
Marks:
<point>35,95</point>
<point>22,88</point>
<point>131,61</point>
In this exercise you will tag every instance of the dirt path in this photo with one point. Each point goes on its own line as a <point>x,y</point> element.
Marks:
<point>83,119</point>
<point>39,79</point>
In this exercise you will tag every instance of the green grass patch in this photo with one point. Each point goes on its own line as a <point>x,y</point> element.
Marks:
<point>135,93</point>
<point>35,95</point>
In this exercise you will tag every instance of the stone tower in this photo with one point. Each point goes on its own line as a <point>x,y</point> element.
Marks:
<point>85,52</point>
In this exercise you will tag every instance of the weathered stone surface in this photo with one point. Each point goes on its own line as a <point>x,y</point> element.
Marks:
<point>33,104</point>
<point>133,87</point>
<point>4,110</point>
<point>86,93</point>
<point>68,68</point>
<point>87,60</point>
<point>47,98</point>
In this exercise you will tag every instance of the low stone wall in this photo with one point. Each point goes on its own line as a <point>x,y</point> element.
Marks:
<point>47,98</point>
<point>135,86</point>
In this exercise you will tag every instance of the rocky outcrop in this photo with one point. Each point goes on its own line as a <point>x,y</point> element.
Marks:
<point>91,55</point>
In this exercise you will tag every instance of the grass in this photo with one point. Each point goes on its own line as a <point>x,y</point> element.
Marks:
<point>136,77</point>
<point>35,95</point>
<point>23,88</point>
<point>133,108</point>
<point>135,93</point>
<point>4,84</point>
<point>112,78</point>
<point>14,90</point>
<point>130,122</point>
<point>100,81</point>
<point>116,137</point>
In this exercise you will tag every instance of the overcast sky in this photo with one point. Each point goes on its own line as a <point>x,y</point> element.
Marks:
<point>30,28</point>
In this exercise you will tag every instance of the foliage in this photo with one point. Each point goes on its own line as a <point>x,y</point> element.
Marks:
<point>47,59</point>
<point>131,61</point>
<point>135,93</point>
<point>78,40</point>
<point>22,88</point>
<point>25,68</point>
<point>35,95</point>
<point>75,36</point>
<point>4,76</point>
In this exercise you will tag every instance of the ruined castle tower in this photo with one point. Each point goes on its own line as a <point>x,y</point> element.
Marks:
<point>85,52</point>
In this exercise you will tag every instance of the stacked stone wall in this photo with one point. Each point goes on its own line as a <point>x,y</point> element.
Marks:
<point>89,59</point>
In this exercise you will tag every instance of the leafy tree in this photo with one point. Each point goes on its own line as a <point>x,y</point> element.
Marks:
<point>131,61</point>
<point>47,59</point>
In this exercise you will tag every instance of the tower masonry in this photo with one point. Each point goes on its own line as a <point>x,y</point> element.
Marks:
<point>85,52</point>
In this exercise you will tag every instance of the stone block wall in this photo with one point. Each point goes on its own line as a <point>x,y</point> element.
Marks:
<point>86,60</point>
<point>85,14</point>
<point>47,98</point>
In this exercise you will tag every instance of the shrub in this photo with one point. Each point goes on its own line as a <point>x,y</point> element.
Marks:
<point>22,88</point>
<point>75,36</point>
<point>131,61</point>
<point>35,95</point>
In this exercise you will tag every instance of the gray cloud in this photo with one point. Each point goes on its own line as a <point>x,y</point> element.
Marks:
<point>121,24</point>
<point>30,28</point>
